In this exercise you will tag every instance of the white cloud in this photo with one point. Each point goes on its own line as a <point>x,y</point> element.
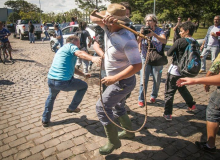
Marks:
<point>52,5</point>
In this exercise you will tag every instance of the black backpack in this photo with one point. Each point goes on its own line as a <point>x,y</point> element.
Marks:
<point>190,63</point>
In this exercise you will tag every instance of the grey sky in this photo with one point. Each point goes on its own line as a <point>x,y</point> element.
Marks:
<point>52,5</point>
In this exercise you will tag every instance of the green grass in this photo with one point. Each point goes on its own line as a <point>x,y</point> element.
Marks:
<point>201,33</point>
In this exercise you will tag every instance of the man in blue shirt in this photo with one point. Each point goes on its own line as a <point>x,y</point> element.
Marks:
<point>61,76</point>
<point>4,33</point>
<point>59,37</point>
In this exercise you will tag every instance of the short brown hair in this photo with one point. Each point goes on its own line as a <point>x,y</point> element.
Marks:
<point>73,38</point>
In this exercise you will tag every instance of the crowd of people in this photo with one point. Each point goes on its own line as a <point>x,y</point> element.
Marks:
<point>124,55</point>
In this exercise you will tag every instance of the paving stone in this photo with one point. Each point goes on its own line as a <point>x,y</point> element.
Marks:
<point>57,133</point>
<point>3,136</point>
<point>79,157</point>
<point>17,142</point>
<point>22,155</point>
<point>4,148</point>
<point>22,134</point>
<point>26,146</point>
<point>43,139</point>
<point>64,154</point>
<point>66,137</point>
<point>35,157</point>
<point>79,140</point>
<point>49,152</point>
<point>51,158</point>
<point>33,136</point>
<point>79,149</point>
<point>92,147</point>
<point>52,143</point>
<point>9,152</point>
<point>37,149</point>
<point>79,132</point>
<point>9,139</point>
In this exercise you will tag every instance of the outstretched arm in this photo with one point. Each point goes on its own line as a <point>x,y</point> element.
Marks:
<point>213,80</point>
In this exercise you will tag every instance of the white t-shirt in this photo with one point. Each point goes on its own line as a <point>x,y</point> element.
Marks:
<point>213,41</point>
<point>121,50</point>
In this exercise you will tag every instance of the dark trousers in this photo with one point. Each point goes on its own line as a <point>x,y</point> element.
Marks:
<point>170,90</point>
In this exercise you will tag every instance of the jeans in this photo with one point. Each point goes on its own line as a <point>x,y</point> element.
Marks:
<point>214,51</point>
<point>31,37</point>
<point>213,109</point>
<point>114,100</point>
<point>57,44</point>
<point>46,35</point>
<point>55,86</point>
<point>156,71</point>
<point>82,61</point>
<point>170,90</point>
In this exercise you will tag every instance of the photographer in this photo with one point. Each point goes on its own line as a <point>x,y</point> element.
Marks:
<point>158,38</point>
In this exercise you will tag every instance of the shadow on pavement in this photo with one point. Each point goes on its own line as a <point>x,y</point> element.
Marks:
<point>6,82</point>
<point>23,60</point>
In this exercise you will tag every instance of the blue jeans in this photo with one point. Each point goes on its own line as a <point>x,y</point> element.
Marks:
<point>57,44</point>
<point>214,50</point>
<point>55,86</point>
<point>156,71</point>
<point>46,35</point>
<point>31,37</point>
<point>114,96</point>
<point>213,109</point>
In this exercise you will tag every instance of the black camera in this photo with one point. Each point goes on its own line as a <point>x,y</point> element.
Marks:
<point>146,30</point>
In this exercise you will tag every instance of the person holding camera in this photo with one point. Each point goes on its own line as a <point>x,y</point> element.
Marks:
<point>158,38</point>
<point>176,29</point>
<point>59,36</point>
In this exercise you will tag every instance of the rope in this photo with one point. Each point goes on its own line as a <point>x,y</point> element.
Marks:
<point>100,87</point>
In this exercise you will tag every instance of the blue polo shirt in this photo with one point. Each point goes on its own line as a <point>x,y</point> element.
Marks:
<point>63,66</point>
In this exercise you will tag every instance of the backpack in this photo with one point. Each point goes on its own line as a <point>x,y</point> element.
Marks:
<point>190,63</point>
<point>80,34</point>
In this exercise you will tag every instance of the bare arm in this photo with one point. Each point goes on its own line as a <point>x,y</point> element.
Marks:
<point>86,56</point>
<point>129,71</point>
<point>78,72</point>
<point>97,20</point>
<point>213,80</point>
<point>161,38</point>
<point>98,49</point>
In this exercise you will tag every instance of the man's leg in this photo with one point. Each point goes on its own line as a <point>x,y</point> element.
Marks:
<point>204,54</point>
<point>157,73</point>
<point>80,87</point>
<point>186,96</point>
<point>8,46</point>
<point>170,90</point>
<point>33,37</point>
<point>55,46</point>
<point>212,129</point>
<point>49,102</point>
<point>214,52</point>
<point>30,38</point>
<point>148,70</point>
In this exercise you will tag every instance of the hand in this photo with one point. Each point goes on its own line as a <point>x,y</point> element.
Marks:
<point>108,80</point>
<point>213,34</point>
<point>207,87</point>
<point>201,48</point>
<point>109,20</point>
<point>89,45</point>
<point>151,34</point>
<point>87,75</point>
<point>97,60</point>
<point>185,81</point>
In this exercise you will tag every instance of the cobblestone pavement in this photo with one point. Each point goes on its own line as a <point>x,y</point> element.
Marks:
<point>23,91</point>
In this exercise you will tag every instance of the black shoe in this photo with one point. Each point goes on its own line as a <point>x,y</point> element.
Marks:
<point>45,124</point>
<point>203,146</point>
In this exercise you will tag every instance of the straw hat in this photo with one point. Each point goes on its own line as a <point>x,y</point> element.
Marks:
<point>117,11</point>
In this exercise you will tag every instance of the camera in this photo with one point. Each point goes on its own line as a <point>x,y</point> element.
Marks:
<point>146,30</point>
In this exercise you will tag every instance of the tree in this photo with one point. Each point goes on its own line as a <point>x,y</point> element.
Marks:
<point>13,17</point>
<point>22,5</point>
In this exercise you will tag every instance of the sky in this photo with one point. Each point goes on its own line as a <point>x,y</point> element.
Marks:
<point>56,6</point>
